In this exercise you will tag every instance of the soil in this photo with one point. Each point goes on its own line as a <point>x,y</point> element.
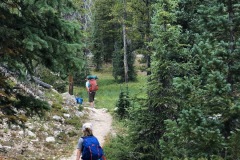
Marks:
<point>102,122</point>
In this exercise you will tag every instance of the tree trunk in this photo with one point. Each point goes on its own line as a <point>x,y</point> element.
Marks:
<point>147,36</point>
<point>125,42</point>
<point>70,91</point>
<point>41,83</point>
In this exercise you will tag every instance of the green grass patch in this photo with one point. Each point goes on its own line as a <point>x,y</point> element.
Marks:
<point>74,121</point>
<point>109,90</point>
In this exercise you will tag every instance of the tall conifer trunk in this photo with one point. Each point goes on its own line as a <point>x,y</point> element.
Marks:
<point>124,42</point>
<point>147,35</point>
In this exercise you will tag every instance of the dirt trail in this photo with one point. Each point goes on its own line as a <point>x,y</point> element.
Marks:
<point>102,122</point>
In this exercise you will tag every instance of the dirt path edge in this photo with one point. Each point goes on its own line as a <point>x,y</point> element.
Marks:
<point>102,126</point>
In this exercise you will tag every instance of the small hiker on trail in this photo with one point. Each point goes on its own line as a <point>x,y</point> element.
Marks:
<point>92,87</point>
<point>88,145</point>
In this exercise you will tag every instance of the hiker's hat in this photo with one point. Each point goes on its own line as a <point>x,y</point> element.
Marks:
<point>87,125</point>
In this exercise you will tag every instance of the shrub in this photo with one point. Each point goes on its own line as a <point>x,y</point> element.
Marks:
<point>123,104</point>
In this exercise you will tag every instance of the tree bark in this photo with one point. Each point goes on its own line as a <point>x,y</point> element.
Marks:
<point>125,42</point>
<point>70,91</point>
<point>147,36</point>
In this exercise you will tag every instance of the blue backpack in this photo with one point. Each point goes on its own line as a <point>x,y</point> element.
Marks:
<point>91,149</point>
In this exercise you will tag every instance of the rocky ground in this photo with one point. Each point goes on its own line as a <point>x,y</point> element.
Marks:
<point>42,137</point>
<point>55,135</point>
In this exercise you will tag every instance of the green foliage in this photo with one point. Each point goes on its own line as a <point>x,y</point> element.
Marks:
<point>189,109</point>
<point>35,106</point>
<point>119,149</point>
<point>118,65</point>
<point>103,33</point>
<point>193,136</point>
<point>55,97</point>
<point>80,76</point>
<point>233,145</point>
<point>24,106</point>
<point>17,107</point>
<point>63,137</point>
<point>147,126</point>
<point>144,131</point>
<point>41,36</point>
<point>73,134</point>
<point>60,86</point>
<point>57,106</point>
<point>108,93</point>
<point>107,36</point>
<point>202,85</point>
<point>33,34</point>
<point>75,121</point>
<point>123,104</point>
<point>52,79</point>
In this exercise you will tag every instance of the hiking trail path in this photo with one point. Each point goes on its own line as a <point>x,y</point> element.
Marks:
<point>102,125</point>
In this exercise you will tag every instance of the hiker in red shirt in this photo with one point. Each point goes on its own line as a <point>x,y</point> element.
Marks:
<point>92,87</point>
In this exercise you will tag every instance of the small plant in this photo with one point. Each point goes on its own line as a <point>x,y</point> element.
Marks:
<point>5,130</point>
<point>57,109</point>
<point>49,145</point>
<point>80,107</point>
<point>57,106</point>
<point>75,121</point>
<point>123,104</point>
<point>57,98</point>
<point>63,137</point>
<point>72,133</point>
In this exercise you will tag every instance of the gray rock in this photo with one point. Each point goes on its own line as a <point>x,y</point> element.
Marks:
<point>79,114</point>
<point>57,118</point>
<point>50,139</point>
<point>66,115</point>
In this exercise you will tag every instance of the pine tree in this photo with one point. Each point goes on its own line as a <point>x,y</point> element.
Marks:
<point>206,126</point>
<point>123,104</point>
<point>37,32</point>
<point>148,126</point>
<point>103,33</point>
<point>41,35</point>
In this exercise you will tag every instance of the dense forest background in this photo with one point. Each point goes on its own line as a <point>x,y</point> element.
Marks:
<point>192,51</point>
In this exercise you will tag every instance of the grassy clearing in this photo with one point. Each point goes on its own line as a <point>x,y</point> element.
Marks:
<point>109,89</point>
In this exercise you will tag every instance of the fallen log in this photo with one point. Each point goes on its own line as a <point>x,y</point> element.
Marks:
<point>41,83</point>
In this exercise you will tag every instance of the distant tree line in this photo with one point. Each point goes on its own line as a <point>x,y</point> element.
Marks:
<point>110,20</point>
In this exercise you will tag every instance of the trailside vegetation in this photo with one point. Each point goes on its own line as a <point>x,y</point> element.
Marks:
<point>37,33</point>
<point>207,122</point>
<point>192,109</point>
